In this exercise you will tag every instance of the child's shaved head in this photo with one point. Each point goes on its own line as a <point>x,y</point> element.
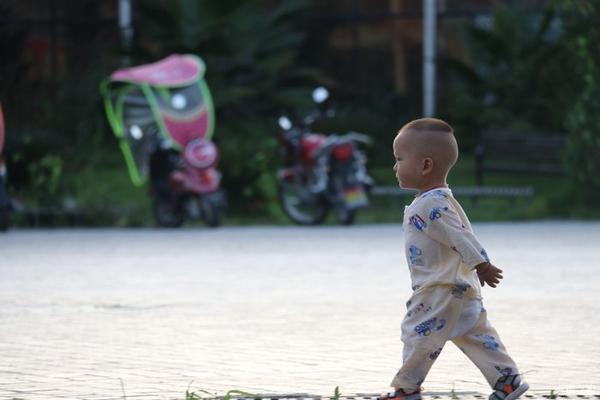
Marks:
<point>432,138</point>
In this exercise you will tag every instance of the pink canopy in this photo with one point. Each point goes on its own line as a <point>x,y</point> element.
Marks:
<point>175,70</point>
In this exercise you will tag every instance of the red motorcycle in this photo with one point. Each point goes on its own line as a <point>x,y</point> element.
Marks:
<point>321,173</point>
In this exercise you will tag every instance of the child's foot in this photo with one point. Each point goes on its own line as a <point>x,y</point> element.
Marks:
<point>509,388</point>
<point>400,394</point>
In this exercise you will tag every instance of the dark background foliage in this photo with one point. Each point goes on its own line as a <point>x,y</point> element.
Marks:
<point>528,71</point>
<point>251,54</point>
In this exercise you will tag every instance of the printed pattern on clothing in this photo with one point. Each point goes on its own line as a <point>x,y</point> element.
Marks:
<point>435,354</point>
<point>489,342</point>
<point>438,227</point>
<point>425,328</point>
<point>415,254</point>
<point>458,291</point>
<point>424,334</point>
<point>437,192</point>
<point>485,255</point>
<point>418,222</point>
<point>437,213</point>
<point>420,307</point>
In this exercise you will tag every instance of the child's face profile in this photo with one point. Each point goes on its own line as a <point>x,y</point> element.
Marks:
<point>408,166</point>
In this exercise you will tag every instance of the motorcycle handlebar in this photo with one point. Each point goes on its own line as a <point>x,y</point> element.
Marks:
<point>305,124</point>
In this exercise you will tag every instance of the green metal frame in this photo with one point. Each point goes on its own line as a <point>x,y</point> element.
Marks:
<point>114,114</point>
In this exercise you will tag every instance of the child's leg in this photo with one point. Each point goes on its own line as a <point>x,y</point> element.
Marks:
<point>418,358</point>
<point>483,347</point>
<point>428,325</point>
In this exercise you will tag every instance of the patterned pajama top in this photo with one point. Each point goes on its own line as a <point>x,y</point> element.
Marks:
<point>441,248</point>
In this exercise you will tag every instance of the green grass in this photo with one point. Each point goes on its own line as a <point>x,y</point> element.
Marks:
<point>100,194</point>
<point>110,190</point>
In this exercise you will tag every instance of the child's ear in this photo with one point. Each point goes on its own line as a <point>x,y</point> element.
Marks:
<point>427,166</point>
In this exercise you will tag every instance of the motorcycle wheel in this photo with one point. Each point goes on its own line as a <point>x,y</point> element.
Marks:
<point>301,206</point>
<point>167,213</point>
<point>4,207</point>
<point>345,216</point>
<point>211,213</point>
<point>3,219</point>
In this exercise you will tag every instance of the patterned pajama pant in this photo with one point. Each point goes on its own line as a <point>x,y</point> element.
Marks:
<point>436,316</point>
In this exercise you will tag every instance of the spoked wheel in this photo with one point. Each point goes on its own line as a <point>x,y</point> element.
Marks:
<point>300,204</point>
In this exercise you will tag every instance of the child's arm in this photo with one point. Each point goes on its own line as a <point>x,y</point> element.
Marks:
<point>442,224</point>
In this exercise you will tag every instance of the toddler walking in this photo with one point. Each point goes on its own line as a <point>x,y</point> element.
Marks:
<point>447,266</point>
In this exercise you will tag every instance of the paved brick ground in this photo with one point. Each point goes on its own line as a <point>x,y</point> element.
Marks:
<point>152,313</point>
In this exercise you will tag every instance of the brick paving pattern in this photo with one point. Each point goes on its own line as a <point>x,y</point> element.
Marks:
<point>107,314</point>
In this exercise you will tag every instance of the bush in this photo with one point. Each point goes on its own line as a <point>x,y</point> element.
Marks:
<point>515,76</point>
<point>582,36</point>
<point>539,73</point>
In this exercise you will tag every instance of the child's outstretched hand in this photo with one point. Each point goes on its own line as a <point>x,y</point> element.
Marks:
<point>488,273</point>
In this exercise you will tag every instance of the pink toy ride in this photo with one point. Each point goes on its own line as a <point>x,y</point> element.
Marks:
<point>163,115</point>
